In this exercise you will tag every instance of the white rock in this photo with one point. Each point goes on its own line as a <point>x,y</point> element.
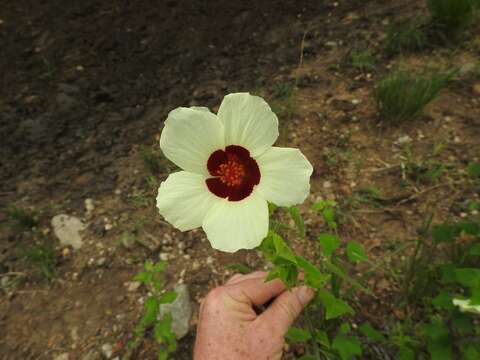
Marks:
<point>181,310</point>
<point>327,184</point>
<point>403,140</point>
<point>89,206</point>
<point>107,350</point>
<point>63,356</point>
<point>133,285</point>
<point>164,256</point>
<point>67,229</point>
<point>209,260</point>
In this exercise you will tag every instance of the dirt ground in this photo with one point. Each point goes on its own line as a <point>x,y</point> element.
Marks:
<point>86,85</point>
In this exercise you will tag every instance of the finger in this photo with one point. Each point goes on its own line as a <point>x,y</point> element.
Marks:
<point>255,290</point>
<point>240,277</point>
<point>286,308</point>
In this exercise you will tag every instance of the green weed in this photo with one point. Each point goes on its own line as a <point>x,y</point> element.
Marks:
<point>403,95</point>
<point>405,37</point>
<point>152,159</point>
<point>363,60</point>
<point>42,258</point>
<point>151,277</point>
<point>20,219</point>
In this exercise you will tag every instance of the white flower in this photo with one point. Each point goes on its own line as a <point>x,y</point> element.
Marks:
<point>465,306</point>
<point>230,171</point>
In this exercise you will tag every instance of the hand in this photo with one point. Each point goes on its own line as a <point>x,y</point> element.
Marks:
<point>230,329</point>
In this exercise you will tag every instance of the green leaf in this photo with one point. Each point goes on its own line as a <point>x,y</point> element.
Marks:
<point>329,216</point>
<point>473,169</point>
<point>167,298</point>
<point>355,252</point>
<point>329,243</point>
<point>443,301</point>
<point>372,334</point>
<point>347,347</point>
<point>313,277</point>
<point>150,311</point>
<point>162,355</point>
<point>143,277</point>
<point>345,328</point>
<point>448,273</point>
<point>295,334</point>
<point>298,219</point>
<point>288,273</point>
<point>271,208</point>
<point>307,357</point>
<point>474,250</point>
<point>322,338</point>
<point>405,353</point>
<point>444,233</point>
<point>334,307</point>
<point>282,251</point>
<point>438,341</point>
<point>159,266</point>
<point>470,352</point>
<point>469,277</point>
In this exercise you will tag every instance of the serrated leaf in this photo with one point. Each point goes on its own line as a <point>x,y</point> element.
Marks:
<point>282,251</point>
<point>372,334</point>
<point>167,298</point>
<point>295,334</point>
<point>334,307</point>
<point>313,276</point>
<point>355,252</point>
<point>347,347</point>
<point>298,219</point>
<point>329,243</point>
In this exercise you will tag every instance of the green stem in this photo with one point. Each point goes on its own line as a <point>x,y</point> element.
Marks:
<point>311,329</point>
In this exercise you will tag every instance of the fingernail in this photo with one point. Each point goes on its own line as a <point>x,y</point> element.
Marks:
<point>305,294</point>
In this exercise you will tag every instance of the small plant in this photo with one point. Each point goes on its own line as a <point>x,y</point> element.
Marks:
<point>151,277</point>
<point>43,259</point>
<point>20,219</point>
<point>405,37</point>
<point>363,60</point>
<point>152,159</point>
<point>450,17</point>
<point>403,95</point>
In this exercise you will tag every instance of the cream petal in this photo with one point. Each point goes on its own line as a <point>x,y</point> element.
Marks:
<point>190,136</point>
<point>249,122</point>
<point>235,225</point>
<point>184,200</point>
<point>285,176</point>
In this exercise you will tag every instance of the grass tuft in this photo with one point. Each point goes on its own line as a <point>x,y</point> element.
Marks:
<point>20,219</point>
<point>363,60</point>
<point>405,37</point>
<point>450,17</point>
<point>43,259</point>
<point>403,95</point>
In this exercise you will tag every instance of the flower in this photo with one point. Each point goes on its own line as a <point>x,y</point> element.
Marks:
<point>465,306</point>
<point>230,171</point>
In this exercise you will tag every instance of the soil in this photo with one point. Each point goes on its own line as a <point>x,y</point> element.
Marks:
<point>85,88</point>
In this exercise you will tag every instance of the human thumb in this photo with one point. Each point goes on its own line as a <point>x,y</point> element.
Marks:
<point>287,307</point>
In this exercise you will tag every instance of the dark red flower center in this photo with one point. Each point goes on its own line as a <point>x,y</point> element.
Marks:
<point>234,172</point>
